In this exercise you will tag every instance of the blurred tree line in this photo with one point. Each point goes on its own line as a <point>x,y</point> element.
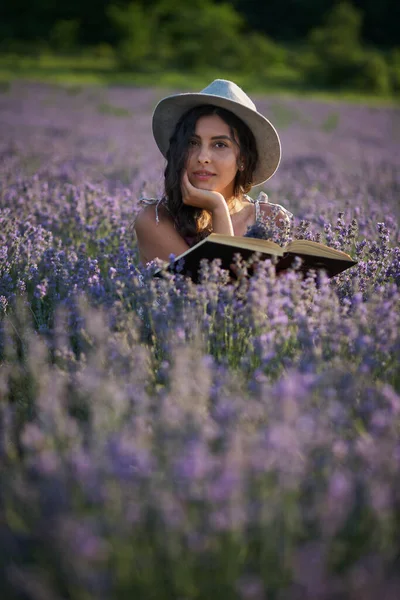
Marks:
<point>293,20</point>
<point>283,20</point>
<point>330,43</point>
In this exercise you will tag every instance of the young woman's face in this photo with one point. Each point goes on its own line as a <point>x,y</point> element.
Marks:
<point>213,156</point>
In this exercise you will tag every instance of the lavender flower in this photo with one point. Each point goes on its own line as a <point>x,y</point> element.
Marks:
<point>160,438</point>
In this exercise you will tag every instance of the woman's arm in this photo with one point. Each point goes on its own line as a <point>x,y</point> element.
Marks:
<point>221,220</point>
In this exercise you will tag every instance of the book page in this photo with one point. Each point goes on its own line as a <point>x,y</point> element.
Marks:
<point>247,243</point>
<point>316,249</point>
<point>239,243</point>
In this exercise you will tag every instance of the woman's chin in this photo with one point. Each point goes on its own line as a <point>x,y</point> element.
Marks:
<point>203,185</point>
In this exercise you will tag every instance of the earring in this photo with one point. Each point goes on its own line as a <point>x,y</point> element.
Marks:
<point>241,167</point>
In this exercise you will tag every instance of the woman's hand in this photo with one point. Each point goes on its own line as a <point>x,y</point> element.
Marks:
<point>214,202</point>
<point>205,199</point>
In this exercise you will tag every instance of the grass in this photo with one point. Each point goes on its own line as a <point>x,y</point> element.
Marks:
<point>73,72</point>
<point>331,122</point>
<point>284,116</point>
<point>115,111</point>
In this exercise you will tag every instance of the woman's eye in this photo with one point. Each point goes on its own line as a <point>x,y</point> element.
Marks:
<point>193,143</point>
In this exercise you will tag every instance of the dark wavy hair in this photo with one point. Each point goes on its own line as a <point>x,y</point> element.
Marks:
<point>190,221</point>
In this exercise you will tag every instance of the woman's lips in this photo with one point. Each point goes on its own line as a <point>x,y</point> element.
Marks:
<point>202,176</point>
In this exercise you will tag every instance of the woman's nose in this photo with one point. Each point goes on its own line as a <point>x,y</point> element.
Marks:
<point>203,155</point>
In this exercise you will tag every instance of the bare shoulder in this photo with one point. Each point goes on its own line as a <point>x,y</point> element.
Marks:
<point>150,216</point>
<point>145,218</point>
<point>156,234</point>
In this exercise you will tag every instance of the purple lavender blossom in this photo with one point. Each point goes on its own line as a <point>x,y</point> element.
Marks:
<point>160,438</point>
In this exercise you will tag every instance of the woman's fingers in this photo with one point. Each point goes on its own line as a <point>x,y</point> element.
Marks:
<point>186,182</point>
<point>185,187</point>
<point>189,192</point>
<point>185,178</point>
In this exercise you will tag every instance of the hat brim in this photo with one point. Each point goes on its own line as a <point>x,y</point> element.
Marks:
<point>169,110</point>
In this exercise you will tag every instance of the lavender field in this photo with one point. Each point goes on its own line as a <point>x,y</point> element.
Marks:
<point>176,441</point>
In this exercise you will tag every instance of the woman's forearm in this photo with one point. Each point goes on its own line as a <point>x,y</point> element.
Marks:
<point>221,220</point>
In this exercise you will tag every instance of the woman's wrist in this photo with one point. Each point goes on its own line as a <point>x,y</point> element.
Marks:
<point>220,207</point>
<point>221,220</point>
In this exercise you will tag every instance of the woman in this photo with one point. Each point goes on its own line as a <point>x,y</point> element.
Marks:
<point>217,147</point>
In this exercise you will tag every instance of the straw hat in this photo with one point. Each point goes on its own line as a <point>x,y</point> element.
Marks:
<point>230,96</point>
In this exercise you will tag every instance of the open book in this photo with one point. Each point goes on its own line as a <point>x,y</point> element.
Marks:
<point>314,255</point>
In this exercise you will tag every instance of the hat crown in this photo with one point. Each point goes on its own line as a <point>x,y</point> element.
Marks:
<point>229,90</point>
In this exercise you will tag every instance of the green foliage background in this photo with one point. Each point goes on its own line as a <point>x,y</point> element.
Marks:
<point>317,43</point>
<point>284,20</point>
